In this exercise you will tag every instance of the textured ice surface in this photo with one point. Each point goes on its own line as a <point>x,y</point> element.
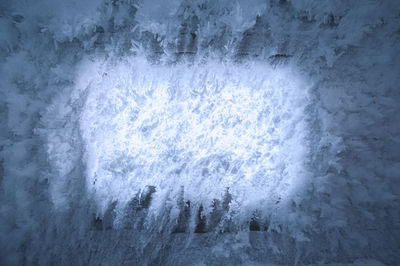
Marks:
<point>206,127</point>
<point>199,132</point>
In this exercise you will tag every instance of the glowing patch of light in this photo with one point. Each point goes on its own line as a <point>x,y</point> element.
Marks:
<point>204,127</point>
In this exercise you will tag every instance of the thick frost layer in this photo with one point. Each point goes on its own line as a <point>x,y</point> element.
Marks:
<point>205,127</point>
<point>316,170</point>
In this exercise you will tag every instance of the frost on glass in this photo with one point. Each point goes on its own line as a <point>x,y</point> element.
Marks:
<point>199,132</point>
<point>205,127</point>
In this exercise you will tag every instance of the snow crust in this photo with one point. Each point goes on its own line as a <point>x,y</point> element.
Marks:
<point>199,132</point>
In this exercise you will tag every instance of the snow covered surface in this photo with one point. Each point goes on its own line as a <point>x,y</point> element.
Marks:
<point>199,132</point>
